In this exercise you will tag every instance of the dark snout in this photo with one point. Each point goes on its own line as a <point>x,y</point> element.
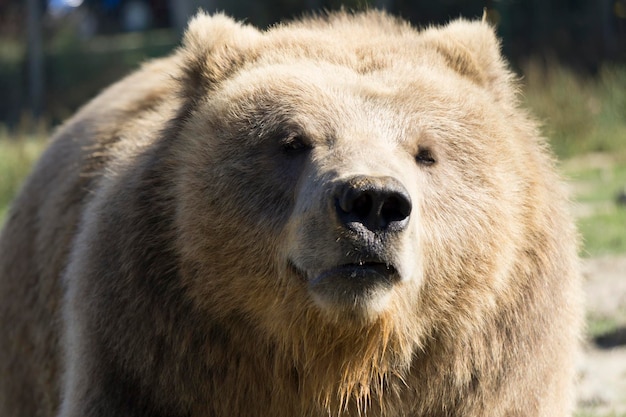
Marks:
<point>374,204</point>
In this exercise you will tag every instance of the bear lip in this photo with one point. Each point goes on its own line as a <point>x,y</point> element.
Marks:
<point>361,273</point>
<point>352,286</point>
<point>355,271</point>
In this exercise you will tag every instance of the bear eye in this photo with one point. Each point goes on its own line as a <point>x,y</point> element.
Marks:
<point>294,144</point>
<point>425,157</point>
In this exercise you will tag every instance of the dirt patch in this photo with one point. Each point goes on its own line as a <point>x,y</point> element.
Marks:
<point>602,371</point>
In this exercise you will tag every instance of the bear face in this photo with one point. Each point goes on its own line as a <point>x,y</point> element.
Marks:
<point>348,180</point>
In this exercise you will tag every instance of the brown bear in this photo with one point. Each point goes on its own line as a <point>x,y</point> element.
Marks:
<point>339,216</point>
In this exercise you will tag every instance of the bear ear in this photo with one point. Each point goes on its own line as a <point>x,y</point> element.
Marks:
<point>472,49</point>
<point>214,47</point>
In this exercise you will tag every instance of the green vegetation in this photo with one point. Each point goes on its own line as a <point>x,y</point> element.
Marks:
<point>16,158</point>
<point>580,115</point>
<point>597,181</point>
<point>604,233</point>
<point>599,324</point>
<point>75,69</point>
<point>587,116</point>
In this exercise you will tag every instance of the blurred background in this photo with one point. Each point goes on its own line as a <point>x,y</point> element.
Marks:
<point>56,54</point>
<point>570,55</point>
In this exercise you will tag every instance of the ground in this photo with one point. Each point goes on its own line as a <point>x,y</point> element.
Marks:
<point>602,384</point>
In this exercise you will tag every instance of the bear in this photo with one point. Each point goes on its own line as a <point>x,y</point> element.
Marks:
<point>341,215</point>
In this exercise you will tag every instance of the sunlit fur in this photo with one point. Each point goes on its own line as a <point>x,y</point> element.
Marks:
<point>158,260</point>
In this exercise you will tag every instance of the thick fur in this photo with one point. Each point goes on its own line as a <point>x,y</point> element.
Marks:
<point>161,259</point>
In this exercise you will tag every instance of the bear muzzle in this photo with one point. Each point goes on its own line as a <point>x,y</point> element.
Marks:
<point>361,263</point>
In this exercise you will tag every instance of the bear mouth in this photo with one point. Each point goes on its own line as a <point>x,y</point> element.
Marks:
<point>351,286</point>
<point>362,274</point>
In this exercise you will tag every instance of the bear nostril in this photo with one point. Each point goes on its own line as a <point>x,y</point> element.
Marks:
<point>362,206</point>
<point>378,203</point>
<point>396,209</point>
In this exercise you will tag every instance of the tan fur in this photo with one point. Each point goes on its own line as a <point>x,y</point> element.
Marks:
<point>163,257</point>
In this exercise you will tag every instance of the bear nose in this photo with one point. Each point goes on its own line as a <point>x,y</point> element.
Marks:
<point>378,203</point>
